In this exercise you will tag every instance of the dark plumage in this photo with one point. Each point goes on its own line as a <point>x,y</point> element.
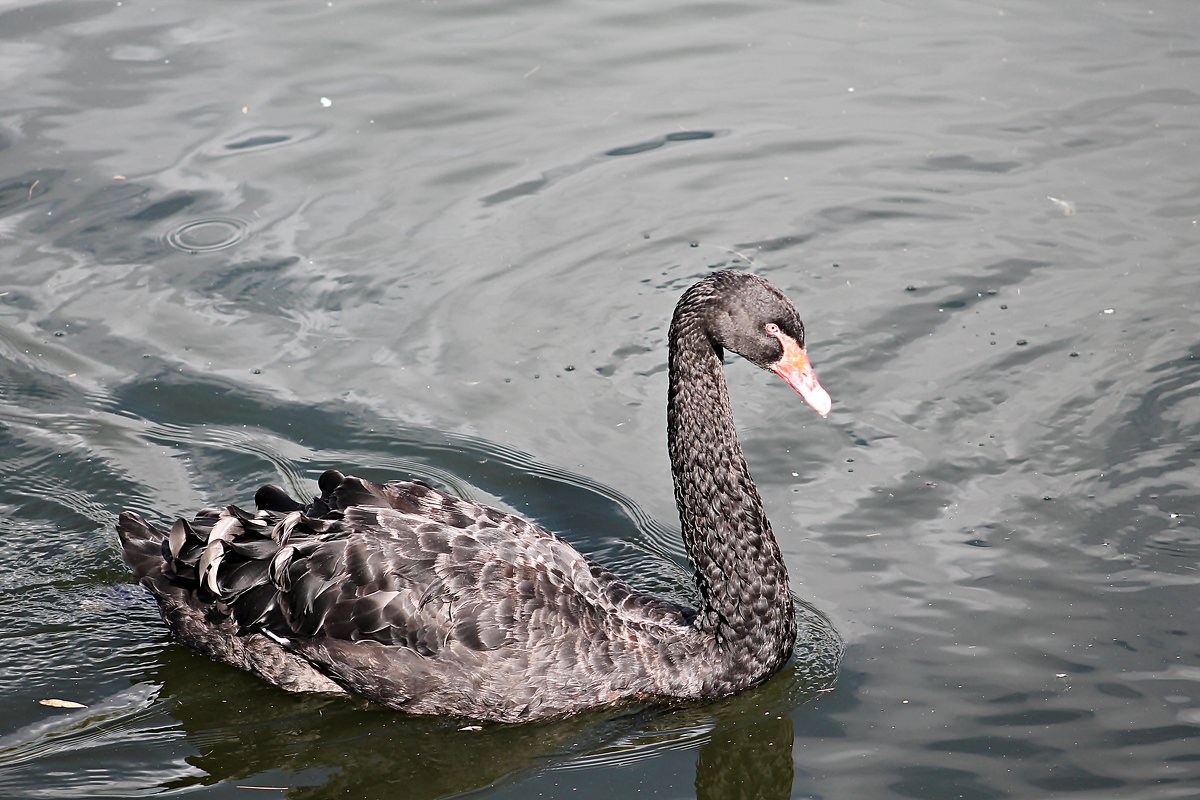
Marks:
<point>432,604</point>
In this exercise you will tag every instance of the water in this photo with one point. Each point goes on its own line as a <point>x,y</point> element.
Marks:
<point>244,242</point>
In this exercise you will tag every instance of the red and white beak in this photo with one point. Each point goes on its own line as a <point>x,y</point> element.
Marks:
<point>795,368</point>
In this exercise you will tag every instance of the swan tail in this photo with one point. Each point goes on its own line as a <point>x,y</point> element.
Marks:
<point>211,578</point>
<point>141,546</point>
<point>146,550</point>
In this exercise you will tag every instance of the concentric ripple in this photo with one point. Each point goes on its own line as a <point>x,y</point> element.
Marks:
<point>207,235</point>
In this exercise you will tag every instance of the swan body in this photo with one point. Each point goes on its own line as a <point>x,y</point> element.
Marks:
<point>432,604</point>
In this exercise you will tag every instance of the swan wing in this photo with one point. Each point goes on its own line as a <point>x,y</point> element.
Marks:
<point>412,598</point>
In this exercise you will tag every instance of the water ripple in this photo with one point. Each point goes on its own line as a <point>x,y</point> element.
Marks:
<point>207,235</point>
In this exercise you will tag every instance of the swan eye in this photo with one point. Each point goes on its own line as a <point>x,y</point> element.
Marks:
<point>772,328</point>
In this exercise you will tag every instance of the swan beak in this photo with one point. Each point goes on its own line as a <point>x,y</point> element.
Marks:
<point>795,368</point>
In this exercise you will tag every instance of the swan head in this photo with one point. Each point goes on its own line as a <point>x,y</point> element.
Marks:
<point>746,314</point>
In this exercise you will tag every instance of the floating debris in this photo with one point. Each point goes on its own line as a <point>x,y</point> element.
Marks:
<point>1065,206</point>
<point>54,702</point>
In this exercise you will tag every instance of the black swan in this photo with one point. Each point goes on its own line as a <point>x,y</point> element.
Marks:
<point>432,604</point>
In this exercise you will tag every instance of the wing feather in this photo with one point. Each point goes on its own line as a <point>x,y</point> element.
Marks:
<point>387,587</point>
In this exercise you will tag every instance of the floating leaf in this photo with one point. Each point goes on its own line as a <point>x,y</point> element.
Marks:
<point>54,702</point>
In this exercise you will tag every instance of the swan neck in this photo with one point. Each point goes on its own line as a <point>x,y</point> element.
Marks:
<point>746,604</point>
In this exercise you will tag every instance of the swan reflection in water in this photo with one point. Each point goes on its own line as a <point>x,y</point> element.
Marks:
<point>317,747</point>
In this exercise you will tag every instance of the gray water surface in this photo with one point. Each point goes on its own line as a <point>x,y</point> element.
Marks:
<point>243,242</point>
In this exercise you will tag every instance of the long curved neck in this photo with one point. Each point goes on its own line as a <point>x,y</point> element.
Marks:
<point>745,600</point>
